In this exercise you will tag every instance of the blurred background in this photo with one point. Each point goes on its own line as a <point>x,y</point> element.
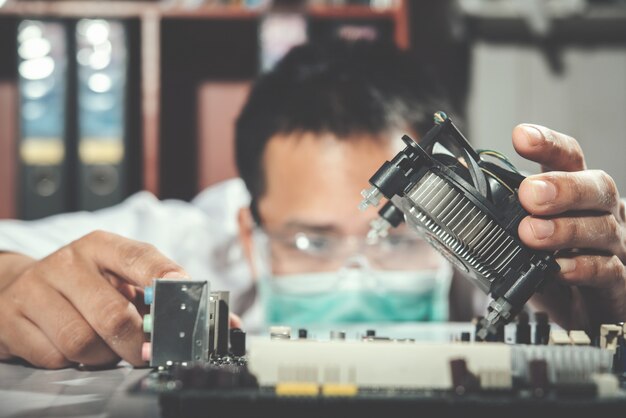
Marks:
<point>101,99</point>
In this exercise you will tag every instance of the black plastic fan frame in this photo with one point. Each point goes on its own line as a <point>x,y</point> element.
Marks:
<point>490,187</point>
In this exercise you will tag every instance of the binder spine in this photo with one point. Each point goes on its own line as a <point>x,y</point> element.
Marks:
<point>42,91</point>
<point>101,109</point>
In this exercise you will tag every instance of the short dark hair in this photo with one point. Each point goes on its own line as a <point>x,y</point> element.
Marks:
<point>345,89</point>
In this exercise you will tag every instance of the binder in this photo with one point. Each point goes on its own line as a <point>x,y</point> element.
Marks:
<point>102,72</point>
<point>42,49</point>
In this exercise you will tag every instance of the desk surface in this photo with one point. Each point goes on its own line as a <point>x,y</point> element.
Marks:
<point>26,391</point>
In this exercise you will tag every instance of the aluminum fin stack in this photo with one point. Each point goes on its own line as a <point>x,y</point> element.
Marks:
<point>464,202</point>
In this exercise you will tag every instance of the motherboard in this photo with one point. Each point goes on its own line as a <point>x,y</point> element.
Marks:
<point>200,366</point>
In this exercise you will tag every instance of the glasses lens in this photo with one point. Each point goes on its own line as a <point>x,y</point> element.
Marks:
<point>312,252</point>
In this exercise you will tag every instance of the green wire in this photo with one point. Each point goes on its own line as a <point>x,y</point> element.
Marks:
<point>499,156</point>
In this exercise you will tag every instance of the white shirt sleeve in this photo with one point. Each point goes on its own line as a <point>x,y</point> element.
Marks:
<point>201,236</point>
<point>42,237</point>
<point>173,226</point>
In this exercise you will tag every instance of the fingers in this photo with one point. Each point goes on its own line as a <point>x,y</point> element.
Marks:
<point>92,267</point>
<point>597,232</point>
<point>551,149</point>
<point>135,262</point>
<point>594,271</point>
<point>234,321</point>
<point>30,343</point>
<point>557,192</point>
<point>113,317</point>
<point>66,328</point>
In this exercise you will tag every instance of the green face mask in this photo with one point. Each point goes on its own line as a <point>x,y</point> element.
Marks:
<point>353,296</point>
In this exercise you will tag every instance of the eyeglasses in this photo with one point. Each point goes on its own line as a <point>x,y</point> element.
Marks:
<point>298,252</point>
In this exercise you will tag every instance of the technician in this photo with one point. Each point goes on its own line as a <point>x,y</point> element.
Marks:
<point>287,239</point>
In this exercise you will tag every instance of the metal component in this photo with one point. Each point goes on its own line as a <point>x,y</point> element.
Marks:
<point>218,323</point>
<point>175,333</point>
<point>280,333</point>
<point>499,312</point>
<point>467,208</point>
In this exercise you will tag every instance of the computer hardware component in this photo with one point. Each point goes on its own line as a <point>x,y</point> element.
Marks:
<point>340,373</point>
<point>464,202</point>
<point>188,323</point>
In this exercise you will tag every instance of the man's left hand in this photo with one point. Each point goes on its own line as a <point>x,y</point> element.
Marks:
<point>578,213</point>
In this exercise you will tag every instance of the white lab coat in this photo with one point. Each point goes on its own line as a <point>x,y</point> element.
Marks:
<point>201,236</point>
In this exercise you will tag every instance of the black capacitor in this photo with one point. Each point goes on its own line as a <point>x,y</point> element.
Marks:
<point>237,342</point>
<point>522,329</point>
<point>370,333</point>
<point>303,334</point>
<point>542,328</point>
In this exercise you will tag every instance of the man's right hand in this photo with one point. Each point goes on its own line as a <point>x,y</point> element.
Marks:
<point>79,304</point>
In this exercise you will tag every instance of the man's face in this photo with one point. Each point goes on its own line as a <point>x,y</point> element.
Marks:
<point>310,205</point>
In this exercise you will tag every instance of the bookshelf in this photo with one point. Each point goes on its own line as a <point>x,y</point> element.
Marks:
<point>170,80</point>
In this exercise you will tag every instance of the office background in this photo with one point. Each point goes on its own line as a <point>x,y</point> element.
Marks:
<point>101,99</point>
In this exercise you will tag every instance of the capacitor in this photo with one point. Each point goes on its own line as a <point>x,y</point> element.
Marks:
<point>522,328</point>
<point>237,342</point>
<point>542,328</point>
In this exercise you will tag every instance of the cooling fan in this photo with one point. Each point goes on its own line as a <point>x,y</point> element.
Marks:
<point>463,202</point>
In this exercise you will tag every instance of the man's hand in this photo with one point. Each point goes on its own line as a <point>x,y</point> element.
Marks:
<point>80,304</point>
<point>578,213</point>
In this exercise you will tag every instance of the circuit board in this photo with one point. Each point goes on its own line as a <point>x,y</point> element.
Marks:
<point>528,368</point>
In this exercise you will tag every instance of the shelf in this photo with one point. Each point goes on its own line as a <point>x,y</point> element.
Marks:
<point>124,9</point>
<point>153,16</point>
